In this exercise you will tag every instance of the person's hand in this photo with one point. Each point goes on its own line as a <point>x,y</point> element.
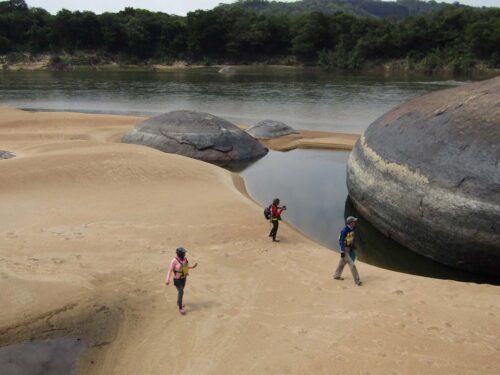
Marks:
<point>167,283</point>
<point>342,255</point>
<point>284,207</point>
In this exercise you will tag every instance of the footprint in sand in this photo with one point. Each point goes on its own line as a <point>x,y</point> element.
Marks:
<point>398,292</point>
<point>57,261</point>
<point>103,308</point>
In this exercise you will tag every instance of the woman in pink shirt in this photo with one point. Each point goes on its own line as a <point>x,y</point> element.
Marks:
<point>180,267</point>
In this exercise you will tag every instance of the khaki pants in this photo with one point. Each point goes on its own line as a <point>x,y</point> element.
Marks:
<point>347,259</point>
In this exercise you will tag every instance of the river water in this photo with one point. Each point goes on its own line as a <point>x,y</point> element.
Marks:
<point>310,182</point>
<point>305,99</point>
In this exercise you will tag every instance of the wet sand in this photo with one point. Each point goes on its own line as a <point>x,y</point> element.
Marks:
<point>88,227</point>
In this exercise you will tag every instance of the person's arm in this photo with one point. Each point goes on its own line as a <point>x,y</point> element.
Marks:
<point>170,270</point>
<point>195,265</point>
<point>343,234</point>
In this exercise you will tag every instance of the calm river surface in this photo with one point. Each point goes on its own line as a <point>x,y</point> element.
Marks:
<point>305,99</point>
<point>311,183</point>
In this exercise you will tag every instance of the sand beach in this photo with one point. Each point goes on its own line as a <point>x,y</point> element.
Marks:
<point>88,227</point>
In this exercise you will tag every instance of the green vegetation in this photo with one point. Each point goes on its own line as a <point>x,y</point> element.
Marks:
<point>377,8</point>
<point>456,38</point>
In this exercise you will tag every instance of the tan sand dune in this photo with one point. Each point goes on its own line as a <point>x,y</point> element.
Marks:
<point>310,139</point>
<point>313,139</point>
<point>88,227</point>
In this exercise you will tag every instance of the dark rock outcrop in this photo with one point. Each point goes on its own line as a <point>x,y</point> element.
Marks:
<point>6,155</point>
<point>427,174</point>
<point>270,129</point>
<point>197,135</point>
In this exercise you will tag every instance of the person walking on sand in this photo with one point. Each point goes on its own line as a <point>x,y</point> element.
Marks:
<point>276,211</point>
<point>347,254</point>
<point>180,268</point>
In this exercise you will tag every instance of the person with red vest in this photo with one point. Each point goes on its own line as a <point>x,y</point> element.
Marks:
<point>276,211</point>
<point>180,268</point>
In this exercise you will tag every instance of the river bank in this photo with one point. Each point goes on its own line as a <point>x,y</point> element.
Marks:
<point>96,62</point>
<point>90,225</point>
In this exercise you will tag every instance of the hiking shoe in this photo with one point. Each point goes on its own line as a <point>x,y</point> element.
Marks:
<point>359,283</point>
<point>338,278</point>
<point>182,310</point>
<point>276,240</point>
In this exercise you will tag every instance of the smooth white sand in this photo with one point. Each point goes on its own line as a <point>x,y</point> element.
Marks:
<point>88,227</point>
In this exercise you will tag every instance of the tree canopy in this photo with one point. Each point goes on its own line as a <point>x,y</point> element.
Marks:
<point>455,36</point>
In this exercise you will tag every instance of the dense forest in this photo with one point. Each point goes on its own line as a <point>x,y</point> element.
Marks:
<point>394,9</point>
<point>453,37</point>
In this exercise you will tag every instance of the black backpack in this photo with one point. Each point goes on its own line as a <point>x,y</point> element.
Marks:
<point>268,213</point>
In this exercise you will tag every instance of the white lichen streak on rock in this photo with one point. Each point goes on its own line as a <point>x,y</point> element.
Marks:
<point>397,170</point>
<point>441,199</point>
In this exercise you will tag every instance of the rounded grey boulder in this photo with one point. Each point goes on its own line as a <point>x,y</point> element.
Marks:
<point>427,174</point>
<point>6,154</point>
<point>197,135</point>
<point>270,129</point>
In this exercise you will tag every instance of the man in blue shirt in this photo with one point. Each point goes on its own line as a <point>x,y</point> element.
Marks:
<point>347,247</point>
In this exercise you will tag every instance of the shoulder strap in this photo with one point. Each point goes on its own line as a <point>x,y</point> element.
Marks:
<point>180,263</point>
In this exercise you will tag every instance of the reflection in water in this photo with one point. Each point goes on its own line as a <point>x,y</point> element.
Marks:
<point>302,98</point>
<point>312,184</point>
<point>47,357</point>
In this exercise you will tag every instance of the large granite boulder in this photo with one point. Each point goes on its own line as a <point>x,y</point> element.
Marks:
<point>268,129</point>
<point>427,174</point>
<point>197,135</point>
<point>6,154</point>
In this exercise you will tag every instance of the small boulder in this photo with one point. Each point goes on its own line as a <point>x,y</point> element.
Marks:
<point>227,70</point>
<point>197,135</point>
<point>268,129</point>
<point>6,154</point>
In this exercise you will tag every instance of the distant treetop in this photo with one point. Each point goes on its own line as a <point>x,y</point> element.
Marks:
<point>376,8</point>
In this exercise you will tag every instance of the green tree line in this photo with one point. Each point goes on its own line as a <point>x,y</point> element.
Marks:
<point>396,9</point>
<point>453,36</point>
